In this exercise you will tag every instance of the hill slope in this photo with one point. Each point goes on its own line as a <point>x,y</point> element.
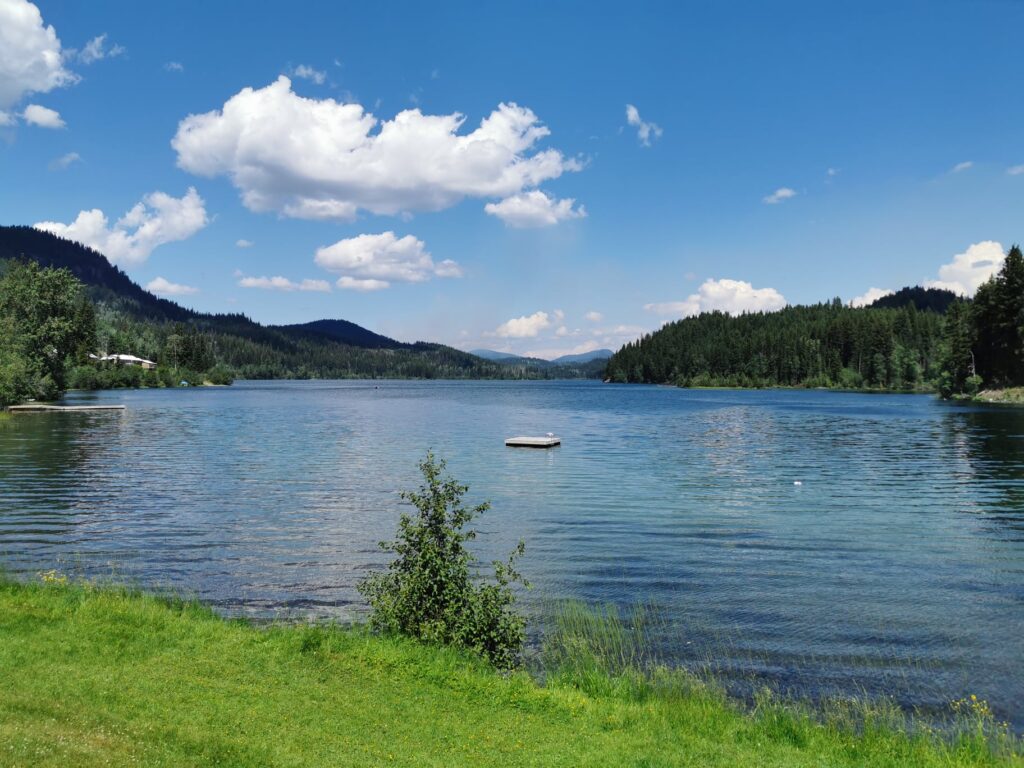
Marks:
<point>824,345</point>
<point>132,320</point>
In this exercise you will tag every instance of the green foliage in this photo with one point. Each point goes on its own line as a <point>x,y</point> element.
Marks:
<point>984,339</point>
<point>132,320</point>
<point>429,592</point>
<point>44,325</point>
<point>997,316</point>
<point>825,345</point>
<point>104,676</point>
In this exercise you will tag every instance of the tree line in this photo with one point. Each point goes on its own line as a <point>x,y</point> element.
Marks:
<point>953,345</point>
<point>984,338</point>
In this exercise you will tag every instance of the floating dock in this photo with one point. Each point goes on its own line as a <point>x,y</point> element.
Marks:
<point>533,442</point>
<point>36,407</point>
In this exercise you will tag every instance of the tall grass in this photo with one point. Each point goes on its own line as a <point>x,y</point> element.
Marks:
<point>608,651</point>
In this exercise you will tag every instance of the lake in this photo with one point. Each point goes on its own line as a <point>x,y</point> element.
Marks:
<point>895,565</point>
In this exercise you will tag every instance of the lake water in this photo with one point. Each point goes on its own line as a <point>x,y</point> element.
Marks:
<point>896,565</point>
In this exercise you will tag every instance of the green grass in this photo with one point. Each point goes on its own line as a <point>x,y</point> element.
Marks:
<point>1010,395</point>
<point>106,676</point>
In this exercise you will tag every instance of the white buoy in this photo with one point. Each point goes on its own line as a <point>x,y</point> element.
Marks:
<point>798,482</point>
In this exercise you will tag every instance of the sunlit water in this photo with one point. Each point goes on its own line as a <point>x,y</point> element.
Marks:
<point>897,565</point>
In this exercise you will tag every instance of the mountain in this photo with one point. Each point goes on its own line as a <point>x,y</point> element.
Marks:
<point>933,299</point>
<point>507,358</point>
<point>584,357</point>
<point>346,333</point>
<point>132,320</point>
<point>490,354</point>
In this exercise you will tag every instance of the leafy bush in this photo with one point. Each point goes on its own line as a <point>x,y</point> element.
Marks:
<point>220,375</point>
<point>429,591</point>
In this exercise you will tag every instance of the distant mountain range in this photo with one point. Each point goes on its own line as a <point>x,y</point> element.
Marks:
<point>135,321</point>
<point>508,358</point>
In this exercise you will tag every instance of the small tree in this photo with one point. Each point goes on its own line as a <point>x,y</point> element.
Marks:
<point>429,591</point>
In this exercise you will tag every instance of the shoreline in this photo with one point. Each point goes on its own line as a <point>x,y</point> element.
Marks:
<point>114,676</point>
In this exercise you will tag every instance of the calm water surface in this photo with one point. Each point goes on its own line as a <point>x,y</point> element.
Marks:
<point>896,565</point>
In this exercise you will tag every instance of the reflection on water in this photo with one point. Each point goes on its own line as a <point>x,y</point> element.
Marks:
<point>896,565</point>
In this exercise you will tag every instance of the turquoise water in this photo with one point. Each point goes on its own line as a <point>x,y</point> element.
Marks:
<point>897,563</point>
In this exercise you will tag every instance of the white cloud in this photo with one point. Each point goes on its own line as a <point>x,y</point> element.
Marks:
<point>361,284</point>
<point>831,172</point>
<point>243,243</point>
<point>448,268</point>
<point>594,316</point>
<point>174,66</point>
<point>869,297</point>
<point>1015,170</point>
<point>320,159</point>
<point>731,296</point>
<point>42,116</point>
<point>31,60</point>
<point>967,164</point>
<point>156,220</point>
<point>163,287</point>
<point>6,119</point>
<point>551,353</point>
<point>970,269</point>
<point>278,283</point>
<point>382,259</point>
<point>307,72</point>
<point>780,194</point>
<point>527,326</point>
<point>96,50</point>
<point>644,131</point>
<point>65,161</point>
<point>534,209</point>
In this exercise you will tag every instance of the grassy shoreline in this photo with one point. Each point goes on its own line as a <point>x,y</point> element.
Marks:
<point>109,676</point>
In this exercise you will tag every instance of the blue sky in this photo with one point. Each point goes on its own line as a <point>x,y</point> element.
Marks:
<point>789,153</point>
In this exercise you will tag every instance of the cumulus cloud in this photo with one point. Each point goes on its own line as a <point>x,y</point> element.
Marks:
<point>967,164</point>
<point>594,316</point>
<point>243,243</point>
<point>321,159</point>
<point>307,72</point>
<point>31,60</point>
<point>65,161</point>
<point>156,220</point>
<point>382,259</point>
<point>970,269</point>
<point>363,285</point>
<point>869,297</point>
<point>42,116</point>
<point>96,50</point>
<point>525,327</point>
<point>534,209</point>
<point>1015,170</point>
<point>780,194</point>
<point>174,66</point>
<point>644,131</point>
<point>731,296</point>
<point>163,287</point>
<point>278,283</point>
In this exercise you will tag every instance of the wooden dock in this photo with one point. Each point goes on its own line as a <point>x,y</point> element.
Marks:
<point>38,407</point>
<point>533,442</point>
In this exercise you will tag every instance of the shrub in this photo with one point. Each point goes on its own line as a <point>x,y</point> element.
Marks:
<point>429,591</point>
<point>220,374</point>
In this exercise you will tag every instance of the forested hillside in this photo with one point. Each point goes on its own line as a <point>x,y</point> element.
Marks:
<point>131,320</point>
<point>822,345</point>
<point>914,339</point>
